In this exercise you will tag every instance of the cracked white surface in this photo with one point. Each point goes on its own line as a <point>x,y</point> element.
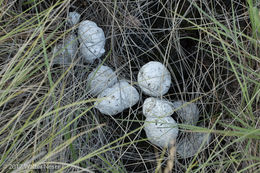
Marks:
<point>161,132</point>
<point>154,107</point>
<point>192,143</point>
<point>73,18</point>
<point>101,78</point>
<point>154,79</point>
<point>65,52</point>
<point>92,41</point>
<point>187,112</point>
<point>117,98</point>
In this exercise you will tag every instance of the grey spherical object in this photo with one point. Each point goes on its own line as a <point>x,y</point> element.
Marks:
<point>154,107</point>
<point>73,18</point>
<point>188,113</point>
<point>154,79</point>
<point>101,78</point>
<point>192,143</point>
<point>161,132</point>
<point>92,41</point>
<point>117,98</point>
<point>65,52</point>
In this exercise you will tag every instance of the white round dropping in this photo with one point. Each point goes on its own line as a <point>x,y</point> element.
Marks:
<point>154,107</point>
<point>161,132</point>
<point>191,144</point>
<point>187,112</point>
<point>117,98</point>
<point>73,18</point>
<point>92,40</point>
<point>154,79</point>
<point>129,94</point>
<point>66,51</point>
<point>101,78</point>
